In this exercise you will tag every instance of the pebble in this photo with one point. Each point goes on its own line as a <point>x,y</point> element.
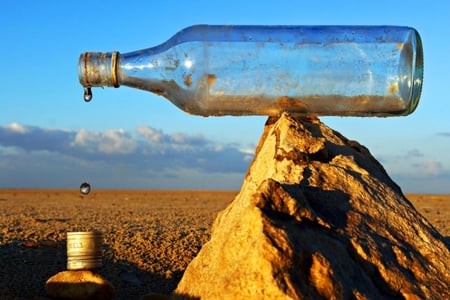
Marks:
<point>80,284</point>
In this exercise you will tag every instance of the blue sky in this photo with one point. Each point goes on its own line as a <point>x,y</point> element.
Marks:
<point>126,138</point>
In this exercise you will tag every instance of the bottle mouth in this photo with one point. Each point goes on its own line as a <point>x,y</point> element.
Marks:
<point>410,85</point>
<point>98,69</point>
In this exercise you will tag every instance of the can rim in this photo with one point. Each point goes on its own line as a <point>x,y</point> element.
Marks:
<point>84,233</point>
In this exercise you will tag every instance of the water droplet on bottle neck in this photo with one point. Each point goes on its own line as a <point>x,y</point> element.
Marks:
<point>87,94</point>
<point>85,188</point>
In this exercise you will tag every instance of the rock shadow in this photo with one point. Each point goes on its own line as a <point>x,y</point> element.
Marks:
<point>25,267</point>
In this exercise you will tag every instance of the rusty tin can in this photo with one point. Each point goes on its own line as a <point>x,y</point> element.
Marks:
<point>84,250</point>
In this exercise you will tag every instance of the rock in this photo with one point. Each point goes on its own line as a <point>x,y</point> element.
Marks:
<point>80,284</point>
<point>318,217</point>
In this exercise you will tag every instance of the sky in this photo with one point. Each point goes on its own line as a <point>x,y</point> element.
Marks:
<point>130,139</point>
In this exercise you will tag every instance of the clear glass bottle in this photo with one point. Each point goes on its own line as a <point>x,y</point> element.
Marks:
<point>266,70</point>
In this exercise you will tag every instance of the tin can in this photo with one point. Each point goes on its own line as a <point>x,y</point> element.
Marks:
<point>84,250</point>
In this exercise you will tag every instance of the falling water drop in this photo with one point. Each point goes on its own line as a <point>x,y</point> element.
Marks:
<point>87,94</point>
<point>85,188</point>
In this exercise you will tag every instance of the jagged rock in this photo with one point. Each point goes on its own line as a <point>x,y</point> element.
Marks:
<point>318,217</point>
<point>79,285</point>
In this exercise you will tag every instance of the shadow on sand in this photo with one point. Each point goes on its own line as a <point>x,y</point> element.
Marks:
<point>26,266</point>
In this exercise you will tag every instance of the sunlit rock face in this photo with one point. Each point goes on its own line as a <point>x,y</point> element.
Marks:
<point>318,217</point>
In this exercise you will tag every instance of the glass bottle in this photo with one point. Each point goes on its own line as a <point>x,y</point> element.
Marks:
<point>266,70</point>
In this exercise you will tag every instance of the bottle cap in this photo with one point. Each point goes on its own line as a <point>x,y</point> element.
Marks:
<point>98,69</point>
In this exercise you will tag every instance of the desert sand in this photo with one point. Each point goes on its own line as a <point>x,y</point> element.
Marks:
<point>149,236</point>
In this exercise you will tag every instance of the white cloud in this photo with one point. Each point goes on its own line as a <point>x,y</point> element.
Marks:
<point>249,153</point>
<point>146,157</point>
<point>219,148</point>
<point>178,138</point>
<point>431,167</point>
<point>182,138</point>
<point>413,164</point>
<point>15,127</point>
<point>116,141</point>
<point>145,153</point>
<point>83,138</point>
<point>417,171</point>
<point>150,134</point>
<point>110,142</point>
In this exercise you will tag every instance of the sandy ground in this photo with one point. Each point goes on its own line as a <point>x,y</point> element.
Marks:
<point>149,236</point>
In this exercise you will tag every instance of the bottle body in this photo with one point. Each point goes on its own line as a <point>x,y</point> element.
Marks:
<point>267,70</point>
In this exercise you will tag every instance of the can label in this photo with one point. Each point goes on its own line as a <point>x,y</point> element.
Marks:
<point>84,250</point>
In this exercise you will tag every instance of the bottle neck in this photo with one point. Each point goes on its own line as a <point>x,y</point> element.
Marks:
<point>98,69</point>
